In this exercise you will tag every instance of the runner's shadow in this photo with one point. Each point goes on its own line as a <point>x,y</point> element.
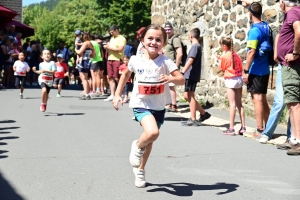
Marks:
<point>7,121</point>
<point>3,143</point>
<point>186,189</point>
<point>50,114</point>
<point>8,192</point>
<point>9,128</point>
<point>69,96</point>
<point>32,97</point>
<point>5,132</point>
<point>9,138</point>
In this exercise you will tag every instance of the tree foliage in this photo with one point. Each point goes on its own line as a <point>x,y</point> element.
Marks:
<point>95,16</point>
<point>49,4</point>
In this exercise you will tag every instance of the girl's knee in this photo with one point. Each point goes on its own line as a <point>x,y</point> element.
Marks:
<point>153,135</point>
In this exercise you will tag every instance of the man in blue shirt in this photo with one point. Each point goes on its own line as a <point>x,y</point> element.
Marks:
<point>257,71</point>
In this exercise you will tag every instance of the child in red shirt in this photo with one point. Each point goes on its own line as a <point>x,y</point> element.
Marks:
<point>60,74</point>
<point>128,84</point>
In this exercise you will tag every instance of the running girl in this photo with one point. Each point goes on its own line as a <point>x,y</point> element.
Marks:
<point>47,70</point>
<point>21,68</point>
<point>149,96</point>
<point>231,64</point>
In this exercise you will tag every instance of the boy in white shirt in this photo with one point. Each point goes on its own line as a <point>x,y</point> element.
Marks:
<point>20,68</point>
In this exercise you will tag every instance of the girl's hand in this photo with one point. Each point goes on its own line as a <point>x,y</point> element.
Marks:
<point>116,101</point>
<point>34,69</point>
<point>164,78</point>
<point>218,56</point>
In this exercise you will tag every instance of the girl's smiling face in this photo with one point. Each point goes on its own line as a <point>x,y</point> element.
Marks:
<point>153,41</point>
<point>46,55</point>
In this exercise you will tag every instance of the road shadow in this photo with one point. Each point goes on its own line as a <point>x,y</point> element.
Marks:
<point>7,121</point>
<point>183,108</point>
<point>5,132</point>
<point>7,191</point>
<point>32,98</point>
<point>5,128</point>
<point>186,189</point>
<point>61,114</point>
<point>9,138</point>
<point>3,143</point>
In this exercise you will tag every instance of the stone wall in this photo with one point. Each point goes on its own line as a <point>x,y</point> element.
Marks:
<point>215,18</point>
<point>15,5</point>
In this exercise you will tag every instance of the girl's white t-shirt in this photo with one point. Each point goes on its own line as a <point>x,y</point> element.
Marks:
<point>150,71</point>
<point>21,68</point>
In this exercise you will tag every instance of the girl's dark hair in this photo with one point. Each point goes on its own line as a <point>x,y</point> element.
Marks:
<point>155,27</point>
<point>229,43</point>
<point>86,36</point>
<point>126,56</point>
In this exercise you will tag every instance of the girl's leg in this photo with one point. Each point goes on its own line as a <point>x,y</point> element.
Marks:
<point>151,131</point>
<point>239,105</point>
<point>101,81</point>
<point>232,105</point>
<point>93,81</point>
<point>146,156</point>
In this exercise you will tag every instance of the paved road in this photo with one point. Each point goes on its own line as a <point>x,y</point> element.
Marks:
<point>79,150</point>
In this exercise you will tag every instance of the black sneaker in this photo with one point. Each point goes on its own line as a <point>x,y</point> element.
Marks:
<point>190,122</point>
<point>85,97</point>
<point>204,117</point>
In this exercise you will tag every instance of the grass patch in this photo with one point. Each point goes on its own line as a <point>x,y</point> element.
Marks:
<point>283,116</point>
<point>182,101</point>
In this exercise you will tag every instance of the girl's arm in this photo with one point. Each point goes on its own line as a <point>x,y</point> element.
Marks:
<point>4,50</point>
<point>14,68</point>
<point>125,76</point>
<point>93,50</point>
<point>36,71</point>
<point>176,78</point>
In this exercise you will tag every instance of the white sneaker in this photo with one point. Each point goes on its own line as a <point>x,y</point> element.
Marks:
<point>136,154</point>
<point>139,177</point>
<point>110,98</point>
<point>264,139</point>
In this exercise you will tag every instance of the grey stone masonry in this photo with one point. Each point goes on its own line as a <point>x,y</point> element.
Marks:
<point>215,18</point>
<point>15,5</point>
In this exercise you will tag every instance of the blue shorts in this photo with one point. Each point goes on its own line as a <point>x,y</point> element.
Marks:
<point>85,67</point>
<point>159,115</point>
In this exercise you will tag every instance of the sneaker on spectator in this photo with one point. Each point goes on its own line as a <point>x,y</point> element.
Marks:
<point>84,97</point>
<point>242,130</point>
<point>256,134</point>
<point>204,117</point>
<point>264,139</point>
<point>34,84</point>
<point>139,174</point>
<point>110,98</point>
<point>190,122</point>
<point>173,108</point>
<point>168,108</point>
<point>295,150</point>
<point>285,146</point>
<point>229,132</point>
<point>136,154</point>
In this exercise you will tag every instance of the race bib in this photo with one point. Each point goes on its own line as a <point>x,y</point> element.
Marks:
<point>47,79</point>
<point>149,88</point>
<point>21,73</point>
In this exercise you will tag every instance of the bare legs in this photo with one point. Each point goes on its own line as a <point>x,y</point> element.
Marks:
<point>44,95</point>
<point>261,108</point>
<point>194,105</point>
<point>149,135</point>
<point>294,110</point>
<point>173,94</point>
<point>235,101</point>
<point>84,80</point>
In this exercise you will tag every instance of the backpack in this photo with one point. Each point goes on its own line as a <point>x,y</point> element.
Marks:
<point>268,44</point>
<point>184,50</point>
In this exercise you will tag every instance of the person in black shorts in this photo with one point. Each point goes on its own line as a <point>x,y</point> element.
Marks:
<point>191,72</point>
<point>21,68</point>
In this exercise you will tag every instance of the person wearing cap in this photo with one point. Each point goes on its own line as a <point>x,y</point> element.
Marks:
<point>115,48</point>
<point>173,51</point>
<point>62,71</point>
<point>257,70</point>
<point>289,57</point>
<point>78,44</point>
<point>105,39</point>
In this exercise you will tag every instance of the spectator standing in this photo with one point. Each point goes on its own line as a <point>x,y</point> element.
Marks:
<point>192,72</point>
<point>62,71</point>
<point>173,51</point>
<point>288,56</point>
<point>256,70</point>
<point>115,49</point>
<point>26,44</point>
<point>96,67</point>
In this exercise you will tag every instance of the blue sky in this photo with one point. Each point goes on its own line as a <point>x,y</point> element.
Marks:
<point>27,2</point>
